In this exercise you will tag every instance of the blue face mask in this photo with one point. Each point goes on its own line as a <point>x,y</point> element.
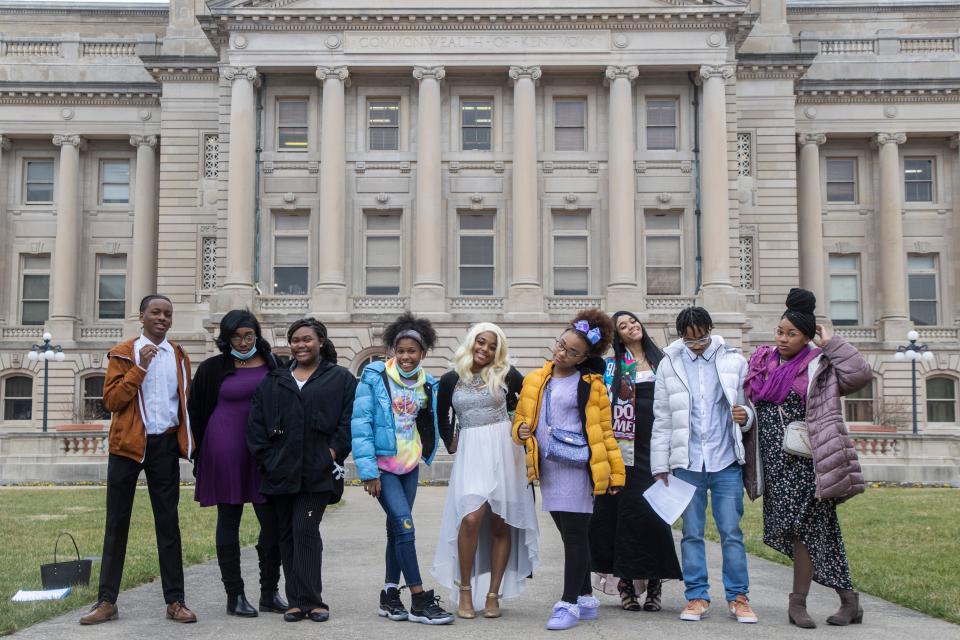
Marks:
<point>409,374</point>
<point>243,356</point>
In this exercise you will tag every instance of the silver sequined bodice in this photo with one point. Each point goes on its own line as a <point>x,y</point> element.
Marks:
<point>475,406</point>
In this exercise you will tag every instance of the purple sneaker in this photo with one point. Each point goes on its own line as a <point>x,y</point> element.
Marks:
<point>589,607</point>
<point>564,616</point>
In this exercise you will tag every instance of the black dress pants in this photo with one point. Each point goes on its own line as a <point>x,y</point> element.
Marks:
<point>574,531</point>
<point>161,464</point>
<point>301,547</point>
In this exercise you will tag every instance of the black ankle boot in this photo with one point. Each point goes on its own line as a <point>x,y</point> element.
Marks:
<point>237,605</point>
<point>273,603</point>
<point>228,557</point>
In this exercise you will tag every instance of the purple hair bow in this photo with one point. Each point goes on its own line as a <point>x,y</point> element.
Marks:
<point>593,335</point>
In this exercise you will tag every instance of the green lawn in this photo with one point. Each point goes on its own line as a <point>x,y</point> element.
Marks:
<point>30,520</point>
<point>903,546</point>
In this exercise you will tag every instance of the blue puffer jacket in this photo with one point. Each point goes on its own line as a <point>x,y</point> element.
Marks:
<point>373,428</point>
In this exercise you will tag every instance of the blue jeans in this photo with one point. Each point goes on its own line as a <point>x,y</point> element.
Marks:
<point>726,497</point>
<point>397,494</point>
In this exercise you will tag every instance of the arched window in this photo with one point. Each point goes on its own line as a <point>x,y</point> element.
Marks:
<point>364,360</point>
<point>17,392</point>
<point>860,406</point>
<point>91,391</point>
<point>941,399</point>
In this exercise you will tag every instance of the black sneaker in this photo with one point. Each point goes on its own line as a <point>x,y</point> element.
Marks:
<point>391,606</point>
<point>425,607</point>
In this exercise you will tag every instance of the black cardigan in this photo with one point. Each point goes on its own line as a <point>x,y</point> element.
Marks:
<point>447,416</point>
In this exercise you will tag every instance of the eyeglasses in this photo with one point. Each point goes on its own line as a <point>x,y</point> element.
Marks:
<point>247,339</point>
<point>697,341</point>
<point>562,346</point>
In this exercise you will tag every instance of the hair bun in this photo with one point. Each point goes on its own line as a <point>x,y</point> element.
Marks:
<point>801,300</point>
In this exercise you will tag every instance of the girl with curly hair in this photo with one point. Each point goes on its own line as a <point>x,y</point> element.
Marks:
<point>394,427</point>
<point>563,420</point>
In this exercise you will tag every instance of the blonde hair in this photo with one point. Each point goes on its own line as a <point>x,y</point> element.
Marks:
<point>495,373</point>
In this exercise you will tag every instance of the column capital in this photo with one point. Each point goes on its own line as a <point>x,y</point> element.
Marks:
<point>236,73</point>
<point>628,73</point>
<point>532,72</point>
<point>804,139</point>
<point>955,141</point>
<point>143,141</point>
<point>60,140</point>
<point>889,138</point>
<point>437,73</point>
<point>339,73</point>
<point>722,71</point>
<point>4,142</point>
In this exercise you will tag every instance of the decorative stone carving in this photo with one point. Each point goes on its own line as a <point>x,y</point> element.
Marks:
<point>723,71</point>
<point>147,141</point>
<point>664,197</point>
<point>437,73</point>
<point>533,72</point>
<point>620,41</point>
<point>890,112</point>
<point>145,114</point>
<point>641,167</point>
<point>67,114</point>
<point>498,166</point>
<point>476,200</point>
<point>547,166</point>
<point>382,199</point>
<point>332,41</point>
<point>714,40</point>
<point>810,113</point>
<point>686,167</point>
<point>629,73</point>
<point>72,140</point>
<point>4,143</point>
<point>289,197</point>
<point>811,138</point>
<point>889,138</point>
<point>240,42</point>
<point>571,201</point>
<point>234,73</point>
<point>342,73</point>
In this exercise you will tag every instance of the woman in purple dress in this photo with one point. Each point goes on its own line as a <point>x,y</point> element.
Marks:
<point>226,473</point>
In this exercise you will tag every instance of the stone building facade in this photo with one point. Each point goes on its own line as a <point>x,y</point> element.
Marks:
<point>512,161</point>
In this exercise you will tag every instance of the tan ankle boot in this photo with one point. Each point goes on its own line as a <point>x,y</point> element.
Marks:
<point>797,612</point>
<point>850,611</point>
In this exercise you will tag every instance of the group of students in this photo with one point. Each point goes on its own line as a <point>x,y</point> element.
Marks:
<point>592,433</point>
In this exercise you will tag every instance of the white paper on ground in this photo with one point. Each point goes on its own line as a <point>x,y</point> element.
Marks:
<point>670,501</point>
<point>32,596</point>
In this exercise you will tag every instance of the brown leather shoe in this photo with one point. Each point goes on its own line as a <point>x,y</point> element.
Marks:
<point>178,612</point>
<point>101,612</point>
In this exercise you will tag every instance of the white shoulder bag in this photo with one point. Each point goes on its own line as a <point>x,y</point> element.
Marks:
<point>796,438</point>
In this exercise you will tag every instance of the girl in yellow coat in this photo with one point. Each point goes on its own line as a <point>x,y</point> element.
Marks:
<point>563,421</point>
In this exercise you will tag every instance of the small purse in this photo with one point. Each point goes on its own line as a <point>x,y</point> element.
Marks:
<point>58,575</point>
<point>796,437</point>
<point>563,446</point>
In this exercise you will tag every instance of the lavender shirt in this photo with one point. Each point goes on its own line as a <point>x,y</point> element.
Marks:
<point>563,487</point>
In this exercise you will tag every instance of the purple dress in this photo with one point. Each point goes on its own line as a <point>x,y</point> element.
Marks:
<point>563,487</point>
<point>226,472</point>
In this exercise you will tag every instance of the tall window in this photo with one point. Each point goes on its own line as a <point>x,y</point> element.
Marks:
<point>941,399</point>
<point>292,128</point>
<point>476,125</point>
<point>92,399</point>
<point>842,180</point>
<point>290,252</point>
<point>922,285</point>
<point>382,253</point>
<point>476,252</point>
<point>115,182</point>
<point>661,124</point>
<point>111,287</point>
<point>662,232</point>
<point>918,179</point>
<point>569,124</point>
<point>35,289</point>
<point>571,253</point>
<point>17,398</point>
<point>844,289</point>
<point>39,181</point>
<point>383,125</point>
<point>858,406</point>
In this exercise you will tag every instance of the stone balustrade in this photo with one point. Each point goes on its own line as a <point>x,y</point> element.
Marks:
<point>24,48</point>
<point>847,46</point>
<point>108,49</point>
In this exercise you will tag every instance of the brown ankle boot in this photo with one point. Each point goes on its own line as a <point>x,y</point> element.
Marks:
<point>797,612</point>
<point>850,611</point>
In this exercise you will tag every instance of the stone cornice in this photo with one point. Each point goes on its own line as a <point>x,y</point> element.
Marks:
<point>811,138</point>
<point>182,68</point>
<point>773,66</point>
<point>341,73</point>
<point>138,94</point>
<point>143,141</point>
<point>160,12</point>
<point>831,7</point>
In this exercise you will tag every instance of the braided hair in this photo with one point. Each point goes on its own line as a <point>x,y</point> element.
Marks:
<point>327,351</point>
<point>693,318</point>
<point>801,305</point>
<point>405,326</point>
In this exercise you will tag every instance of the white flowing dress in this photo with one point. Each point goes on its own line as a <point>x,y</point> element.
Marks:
<point>489,469</point>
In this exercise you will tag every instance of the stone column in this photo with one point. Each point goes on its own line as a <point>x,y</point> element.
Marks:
<point>238,285</point>
<point>893,280</point>
<point>810,221</point>
<point>428,289</point>
<point>143,269</point>
<point>526,290</point>
<point>955,144</point>
<point>66,255</point>
<point>625,251</point>
<point>716,291</point>
<point>330,293</point>
<point>5,235</point>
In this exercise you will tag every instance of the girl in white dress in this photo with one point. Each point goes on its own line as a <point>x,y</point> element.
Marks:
<point>488,539</point>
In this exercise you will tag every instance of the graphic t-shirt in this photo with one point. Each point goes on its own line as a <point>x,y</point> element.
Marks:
<point>407,401</point>
<point>622,402</point>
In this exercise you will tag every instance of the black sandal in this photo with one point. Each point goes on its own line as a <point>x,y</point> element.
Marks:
<point>654,588</point>
<point>628,596</point>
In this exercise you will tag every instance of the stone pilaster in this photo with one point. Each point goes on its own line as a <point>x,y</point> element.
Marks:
<point>143,263</point>
<point>5,235</point>
<point>428,294</point>
<point>526,287</point>
<point>810,221</point>
<point>894,319</point>
<point>330,293</point>
<point>64,318</point>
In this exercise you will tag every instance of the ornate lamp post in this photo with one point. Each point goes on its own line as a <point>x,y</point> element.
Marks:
<point>913,352</point>
<point>46,352</point>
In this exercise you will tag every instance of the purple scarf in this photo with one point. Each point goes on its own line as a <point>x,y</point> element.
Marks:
<point>770,381</point>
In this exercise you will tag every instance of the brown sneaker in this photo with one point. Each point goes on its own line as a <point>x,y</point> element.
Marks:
<point>696,610</point>
<point>178,612</point>
<point>741,610</point>
<point>101,612</point>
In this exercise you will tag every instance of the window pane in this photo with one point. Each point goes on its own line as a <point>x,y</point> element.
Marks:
<point>383,252</point>
<point>110,310</point>
<point>569,113</point>
<point>476,250</point>
<point>841,262</point>
<point>845,313</point>
<point>923,313</point>
<point>476,113</point>
<point>292,113</point>
<point>290,251</point>
<point>941,389</point>
<point>922,261</point>
<point>383,222</point>
<point>476,281</point>
<point>36,287</point>
<point>93,409</point>
<point>476,139</point>
<point>663,281</point>
<point>918,169</point>
<point>568,222</point>
<point>840,169</point>
<point>290,281</point>
<point>662,221</point>
<point>116,172</point>
<point>858,410</point>
<point>570,282</point>
<point>113,263</point>
<point>112,287</point>
<point>569,139</point>
<point>918,192</point>
<point>569,251</point>
<point>39,192</point>
<point>841,192</point>
<point>383,282</point>
<point>843,288</point>
<point>661,138</point>
<point>93,387</point>
<point>663,251</point>
<point>385,113</point>
<point>34,313</point>
<point>116,193</point>
<point>40,171</point>
<point>17,409</point>
<point>941,411</point>
<point>483,221</point>
<point>18,387</point>
<point>293,138</point>
<point>923,287</point>
<point>384,139</point>
<point>661,112</point>
<point>36,262</point>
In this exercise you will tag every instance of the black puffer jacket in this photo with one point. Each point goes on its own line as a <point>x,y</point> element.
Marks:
<point>291,430</point>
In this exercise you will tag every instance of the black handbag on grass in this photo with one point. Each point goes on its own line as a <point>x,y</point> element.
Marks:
<point>58,575</point>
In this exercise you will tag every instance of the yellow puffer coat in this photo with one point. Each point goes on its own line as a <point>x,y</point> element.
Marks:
<point>606,463</point>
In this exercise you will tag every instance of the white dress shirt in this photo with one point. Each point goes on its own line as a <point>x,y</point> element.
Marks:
<point>160,395</point>
<point>711,446</point>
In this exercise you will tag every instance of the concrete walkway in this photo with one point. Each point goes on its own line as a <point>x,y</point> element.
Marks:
<point>353,570</point>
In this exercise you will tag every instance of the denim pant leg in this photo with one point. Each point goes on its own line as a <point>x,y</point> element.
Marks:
<point>693,551</point>
<point>726,497</point>
<point>397,494</point>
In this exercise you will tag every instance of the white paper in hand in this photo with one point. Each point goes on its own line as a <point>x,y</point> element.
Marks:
<point>32,596</point>
<point>670,501</point>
